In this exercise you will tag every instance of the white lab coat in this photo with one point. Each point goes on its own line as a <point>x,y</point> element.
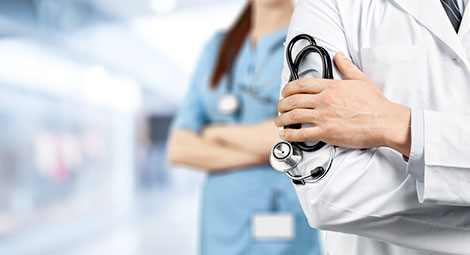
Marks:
<point>368,202</point>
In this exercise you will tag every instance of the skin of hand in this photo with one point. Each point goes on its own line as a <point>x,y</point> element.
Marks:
<point>349,113</point>
<point>254,138</point>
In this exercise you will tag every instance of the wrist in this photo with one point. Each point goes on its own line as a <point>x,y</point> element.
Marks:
<point>397,134</point>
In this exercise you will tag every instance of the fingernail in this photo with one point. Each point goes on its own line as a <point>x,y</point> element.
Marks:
<point>341,55</point>
<point>282,133</point>
<point>302,82</point>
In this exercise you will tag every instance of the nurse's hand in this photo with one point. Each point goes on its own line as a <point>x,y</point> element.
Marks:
<point>350,113</point>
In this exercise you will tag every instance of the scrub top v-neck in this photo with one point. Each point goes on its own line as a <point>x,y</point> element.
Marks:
<point>231,198</point>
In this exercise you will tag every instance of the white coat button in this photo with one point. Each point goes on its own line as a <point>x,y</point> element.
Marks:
<point>457,60</point>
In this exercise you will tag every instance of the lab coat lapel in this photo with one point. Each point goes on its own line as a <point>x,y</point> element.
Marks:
<point>431,14</point>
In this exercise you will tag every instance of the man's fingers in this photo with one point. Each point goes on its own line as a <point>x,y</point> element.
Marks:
<point>306,101</point>
<point>301,135</point>
<point>348,69</point>
<point>296,116</point>
<point>304,86</point>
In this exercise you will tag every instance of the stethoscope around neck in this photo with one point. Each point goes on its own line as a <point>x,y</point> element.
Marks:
<point>229,104</point>
<point>285,156</point>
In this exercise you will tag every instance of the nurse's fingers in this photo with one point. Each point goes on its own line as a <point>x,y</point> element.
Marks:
<point>306,101</point>
<point>301,135</point>
<point>296,116</point>
<point>305,86</point>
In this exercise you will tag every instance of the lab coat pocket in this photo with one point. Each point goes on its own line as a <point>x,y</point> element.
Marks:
<point>399,72</point>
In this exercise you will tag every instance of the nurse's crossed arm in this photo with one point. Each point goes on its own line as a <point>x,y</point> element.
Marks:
<point>393,205</point>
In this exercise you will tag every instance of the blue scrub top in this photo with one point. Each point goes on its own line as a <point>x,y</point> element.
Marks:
<point>231,198</point>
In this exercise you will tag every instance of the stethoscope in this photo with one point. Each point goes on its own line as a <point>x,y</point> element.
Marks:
<point>285,156</point>
<point>229,104</point>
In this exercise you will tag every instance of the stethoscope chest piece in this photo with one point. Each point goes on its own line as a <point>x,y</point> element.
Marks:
<point>285,157</point>
<point>228,104</point>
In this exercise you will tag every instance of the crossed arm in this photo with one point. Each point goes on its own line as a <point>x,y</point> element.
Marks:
<point>223,147</point>
<point>365,189</point>
<point>349,113</point>
<point>353,113</point>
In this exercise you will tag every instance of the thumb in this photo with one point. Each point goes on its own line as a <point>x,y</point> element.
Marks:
<point>348,69</point>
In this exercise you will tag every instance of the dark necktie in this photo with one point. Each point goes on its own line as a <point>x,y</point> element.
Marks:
<point>453,12</point>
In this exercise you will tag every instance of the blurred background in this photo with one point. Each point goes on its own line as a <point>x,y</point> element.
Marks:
<point>88,89</point>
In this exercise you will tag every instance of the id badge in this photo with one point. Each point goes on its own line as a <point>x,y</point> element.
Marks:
<point>273,226</point>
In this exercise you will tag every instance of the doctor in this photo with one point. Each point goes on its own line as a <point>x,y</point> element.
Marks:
<point>407,97</point>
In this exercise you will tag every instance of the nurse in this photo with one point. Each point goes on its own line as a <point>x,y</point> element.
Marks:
<point>225,127</point>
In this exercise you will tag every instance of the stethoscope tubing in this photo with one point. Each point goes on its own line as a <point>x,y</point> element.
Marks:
<point>309,176</point>
<point>294,66</point>
<point>252,90</point>
<point>287,164</point>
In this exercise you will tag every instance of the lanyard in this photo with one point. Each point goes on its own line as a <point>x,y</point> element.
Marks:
<point>274,206</point>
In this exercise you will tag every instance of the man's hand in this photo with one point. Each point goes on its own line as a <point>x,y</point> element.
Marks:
<point>350,113</point>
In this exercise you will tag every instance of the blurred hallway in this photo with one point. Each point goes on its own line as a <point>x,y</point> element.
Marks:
<point>87,92</point>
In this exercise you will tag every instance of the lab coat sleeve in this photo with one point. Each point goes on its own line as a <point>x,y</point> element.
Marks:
<point>415,161</point>
<point>369,192</point>
<point>440,157</point>
<point>192,114</point>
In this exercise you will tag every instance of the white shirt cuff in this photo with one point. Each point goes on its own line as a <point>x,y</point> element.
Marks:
<point>415,166</point>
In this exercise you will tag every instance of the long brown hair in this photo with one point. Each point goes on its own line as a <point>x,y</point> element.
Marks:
<point>231,45</point>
